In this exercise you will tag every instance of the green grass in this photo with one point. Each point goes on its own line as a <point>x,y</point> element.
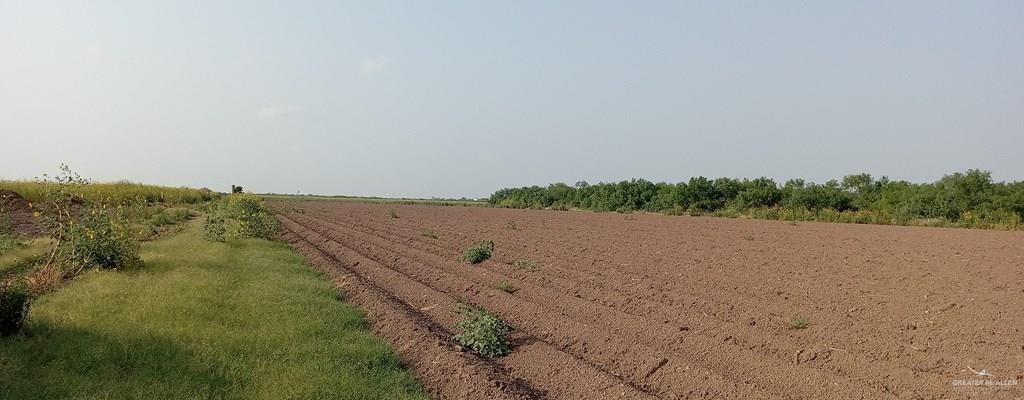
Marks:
<point>244,319</point>
<point>23,254</point>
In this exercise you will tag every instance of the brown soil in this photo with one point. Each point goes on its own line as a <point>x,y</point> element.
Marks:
<point>16,215</point>
<point>650,306</point>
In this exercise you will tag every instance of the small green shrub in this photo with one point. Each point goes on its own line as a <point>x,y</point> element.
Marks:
<point>799,323</point>
<point>215,228</point>
<point>241,215</point>
<point>170,216</point>
<point>526,265</point>
<point>14,303</point>
<point>392,214</point>
<point>429,233</point>
<point>478,252</point>
<point>511,225</point>
<point>102,239</point>
<point>483,332</point>
<point>506,287</point>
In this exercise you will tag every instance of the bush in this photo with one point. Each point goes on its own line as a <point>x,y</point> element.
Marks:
<point>170,216</point>
<point>241,215</point>
<point>478,252</point>
<point>526,265</point>
<point>483,332</point>
<point>102,240</point>
<point>14,304</point>
<point>215,228</point>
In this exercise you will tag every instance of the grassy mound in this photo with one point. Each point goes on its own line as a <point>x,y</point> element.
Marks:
<point>243,319</point>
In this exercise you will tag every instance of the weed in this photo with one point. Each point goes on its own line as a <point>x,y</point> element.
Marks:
<point>215,228</point>
<point>478,252</point>
<point>526,265</point>
<point>482,332</point>
<point>506,287</point>
<point>429,233</point>
<point>511,225</point>
<point>392,214</point>
<point>14,303</point>
<point>799,322</point>
<point>748,237</point>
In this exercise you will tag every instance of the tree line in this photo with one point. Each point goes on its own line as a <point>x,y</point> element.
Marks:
<point>969,199</point>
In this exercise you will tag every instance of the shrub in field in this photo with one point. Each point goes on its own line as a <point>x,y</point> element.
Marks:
<point>506,287</point>
<point>240,215</point>
<point>170,216</point>
<point>86,232</point>
<point>103,240</point>
<point>14,303</point>
<point>483,332</point>
<point>526,265</point>
<point>429,233</point>
<point>799,323</point>
<point>478,252</point>
<point>215,228</point>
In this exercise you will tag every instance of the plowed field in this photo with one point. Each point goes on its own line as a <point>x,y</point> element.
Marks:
<point>661,307</point>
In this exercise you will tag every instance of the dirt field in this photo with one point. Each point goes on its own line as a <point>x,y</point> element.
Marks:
<point>650,306</point>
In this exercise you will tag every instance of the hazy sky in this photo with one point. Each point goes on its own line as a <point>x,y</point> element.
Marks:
<point>432,98</point>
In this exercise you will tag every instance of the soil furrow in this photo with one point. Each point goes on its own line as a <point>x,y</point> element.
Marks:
<point>556,373</point>
<point>672,342</point>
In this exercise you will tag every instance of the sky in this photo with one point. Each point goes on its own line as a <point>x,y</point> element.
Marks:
<point>460,98</point>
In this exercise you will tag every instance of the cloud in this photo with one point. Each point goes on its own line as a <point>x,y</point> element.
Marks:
<point>278,111</point>
<point>374,64</point>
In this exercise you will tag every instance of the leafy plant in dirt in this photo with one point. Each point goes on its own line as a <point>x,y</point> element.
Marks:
<point>482,332</point>
<point>799,322</point>
<point>392,214</point>
<point>478,252</point>
<point>506,287</point>
<point>429,233</point>
<point>14,304</point>
<point>511,225</point>
<point>526,265</point>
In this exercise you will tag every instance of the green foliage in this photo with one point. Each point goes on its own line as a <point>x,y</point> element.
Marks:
<point>799,323</point>
<point>117,193</point>
<point>506,287</point>
<point>215,228</point>
<point>102,239</point>
<point>203,320</point>
<point>478,252</point>
<point>483,332</point>
<point>964,199</point>
<point>429,233</point>
<point>170,216</point>
<point>7,243</point>
<point>14,303</point>
<point>241,215</point>
<point>526,265</point>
